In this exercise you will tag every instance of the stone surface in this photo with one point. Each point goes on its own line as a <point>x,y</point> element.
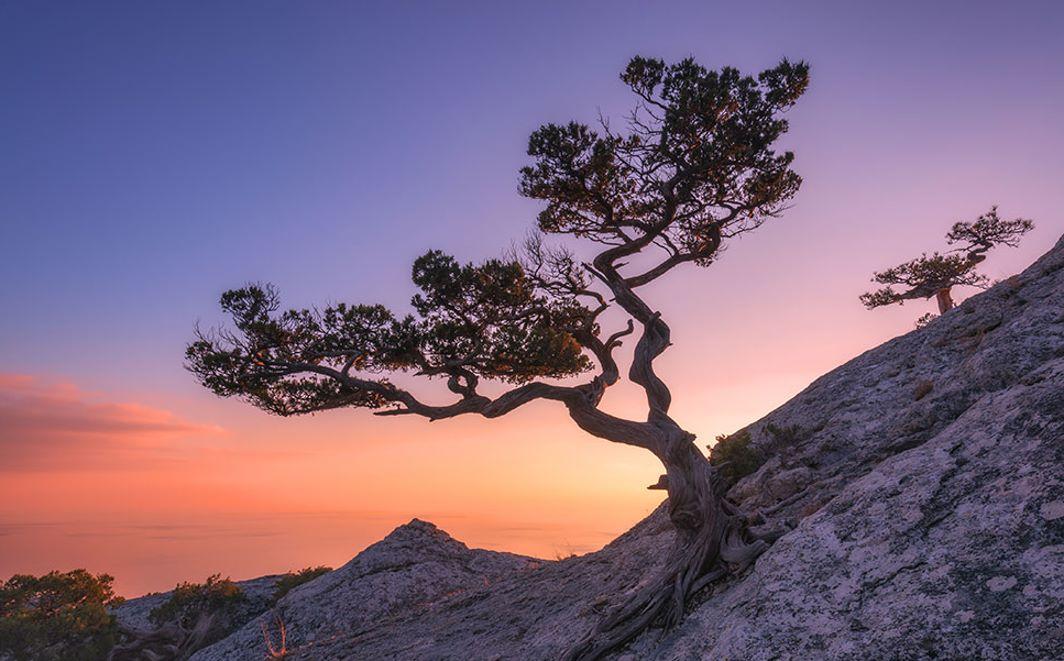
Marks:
<point>924,481</point>
<point>133,613</point>
<point>409,571</point>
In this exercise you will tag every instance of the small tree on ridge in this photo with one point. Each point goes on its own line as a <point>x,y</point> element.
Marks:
<point>936,275</point>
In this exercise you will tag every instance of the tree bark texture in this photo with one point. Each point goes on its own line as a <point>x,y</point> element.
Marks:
<point>711,542</point>
<point>945,301</point>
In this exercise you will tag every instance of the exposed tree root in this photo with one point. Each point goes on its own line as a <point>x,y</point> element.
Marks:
<point>691,567</point>
<point>712,542</point>
<point>171,641</point>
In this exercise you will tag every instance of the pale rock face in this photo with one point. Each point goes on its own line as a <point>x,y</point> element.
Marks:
<point>929,523</point>
<point>413,567</point>
<point>134,613</point>
<point>940,551</point>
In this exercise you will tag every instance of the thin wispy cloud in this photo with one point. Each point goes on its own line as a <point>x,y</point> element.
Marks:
<point>48,425</point>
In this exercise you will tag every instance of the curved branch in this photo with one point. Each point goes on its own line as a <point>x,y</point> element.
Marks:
<point>656,334</point>
<point>659,270</point>
<point>923,277</point>
<point>711,239</point>
<point>580,401</point>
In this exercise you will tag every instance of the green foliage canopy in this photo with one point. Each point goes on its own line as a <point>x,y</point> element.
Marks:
<point>695,167</point>
<point>926,275</point>
<point>292,580</point>
<point>735,455</point>
<point>57,616</point>
<point>189,601</point>
<point>697,159</point>
<point>487,320</point>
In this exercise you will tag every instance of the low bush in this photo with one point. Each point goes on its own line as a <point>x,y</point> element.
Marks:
<point>57,616</point>
<point>785,436</point>
<point>292,580</point>
<point>189,601</point>
<point>735,456</point>
<point>922,389</point>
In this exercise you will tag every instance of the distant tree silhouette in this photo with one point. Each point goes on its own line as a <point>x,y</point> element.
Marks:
<point>937,274</point>
<point>694,169</point>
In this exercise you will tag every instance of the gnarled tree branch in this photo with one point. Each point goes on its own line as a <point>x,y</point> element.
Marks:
<point>696,167</point>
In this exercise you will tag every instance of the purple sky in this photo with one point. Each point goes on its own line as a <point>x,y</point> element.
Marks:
<point>155,154</point>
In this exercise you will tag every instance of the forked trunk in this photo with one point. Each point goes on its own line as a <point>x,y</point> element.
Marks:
<point>945,301</point>
<point>711,542</point>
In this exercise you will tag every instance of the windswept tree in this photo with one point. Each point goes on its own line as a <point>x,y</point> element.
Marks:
<point>936,274</point>
<point>694,168</point>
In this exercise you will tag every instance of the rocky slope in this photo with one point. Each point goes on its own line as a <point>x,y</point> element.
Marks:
<point>923,480</point>
<point>134,613</point>
<point>410,570</point>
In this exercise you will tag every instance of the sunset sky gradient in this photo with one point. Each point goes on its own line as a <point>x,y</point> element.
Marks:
<point>153,155</point>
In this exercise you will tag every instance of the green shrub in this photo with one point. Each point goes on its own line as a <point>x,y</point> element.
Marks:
<point>784,436</point>
<point>735,456</point>
<point>292,580</point>
<point>922,389</point>
<point>925,319</point>
<point>57,616</point>
<point>189,601</point>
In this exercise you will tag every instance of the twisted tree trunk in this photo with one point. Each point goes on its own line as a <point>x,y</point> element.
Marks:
<point>711,537</point>
<point>945,301</point>
<point>711,542</point>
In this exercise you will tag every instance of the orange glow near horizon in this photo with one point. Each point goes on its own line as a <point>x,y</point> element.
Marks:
<point>154,497</point>
<point>168,502</point>
<point>165,499</point>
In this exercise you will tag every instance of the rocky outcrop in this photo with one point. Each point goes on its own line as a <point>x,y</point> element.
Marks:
<point>134,613</point>
<point>189,628</point>
<point>922,482</point>
<point>408,572</point>
<point>952,549</point>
